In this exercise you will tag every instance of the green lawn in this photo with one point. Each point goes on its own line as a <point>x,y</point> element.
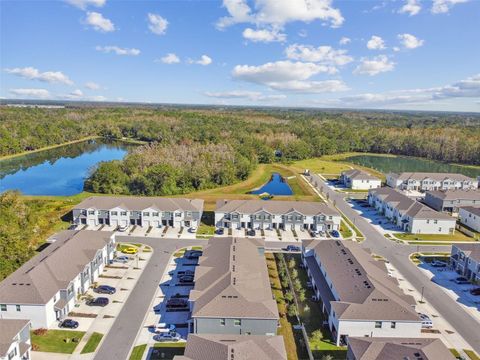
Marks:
<point>92,343</point>
<point>167,351</point>
<point>56,341</point>
<point>458,236</point>
<point>206,230</point>
<point>344,230</point>
<point>471,354</point>
<point>137,352</point>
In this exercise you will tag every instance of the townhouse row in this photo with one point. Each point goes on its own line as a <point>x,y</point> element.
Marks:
<point>46,288</point>
<point>359,180</point>
<point>408,214</point>
<point>422,181</point>
<point>15,343</point>
<point>465,260</point>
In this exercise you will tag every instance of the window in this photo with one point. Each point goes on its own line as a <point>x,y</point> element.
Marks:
<point>393,325</point>
<point>3,307</point>
<point>222,322</point>
<point>91,212</point>
<point>18,308</point>
<point>156,214</point>
<point>114,213</point>
<point>237,322</point>
<point>123,213</point>
<point>146,214</point>
<point>178,214</point>
<point>378,324</point>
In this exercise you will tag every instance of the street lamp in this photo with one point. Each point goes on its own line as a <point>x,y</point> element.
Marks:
<point>423,288</point>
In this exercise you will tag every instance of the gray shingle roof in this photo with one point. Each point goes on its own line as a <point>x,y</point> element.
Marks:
<point>9,328</point>
<point>419,176</point>
<point>232,281</point>
<point>275,207</point>
<point>356,174</point>
<point>140,203</point>
<point>234,347</point>
<point>36,281</point>
<point>455,194</point>
<point>374,348</point>
<point>472,209</point>
<point>365,290</point>
<point>472,250</point>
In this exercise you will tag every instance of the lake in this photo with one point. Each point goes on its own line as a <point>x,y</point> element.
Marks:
<point>276,186</point>
<point>58,171</point>
<point>386,164</point>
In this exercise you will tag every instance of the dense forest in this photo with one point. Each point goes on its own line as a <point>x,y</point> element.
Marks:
<point>200,148</point>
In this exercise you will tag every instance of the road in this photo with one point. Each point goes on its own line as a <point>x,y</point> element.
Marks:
<point>398,255</point>
<point>121,337</point>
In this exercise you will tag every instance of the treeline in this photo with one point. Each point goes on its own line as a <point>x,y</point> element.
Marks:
<point>254,134</point>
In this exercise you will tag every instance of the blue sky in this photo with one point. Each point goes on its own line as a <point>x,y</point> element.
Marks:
<point>404,54</point>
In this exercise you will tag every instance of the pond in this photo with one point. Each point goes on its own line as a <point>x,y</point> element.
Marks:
<point>276,186</point>
<point>398,164</point>
<point>58,171</point>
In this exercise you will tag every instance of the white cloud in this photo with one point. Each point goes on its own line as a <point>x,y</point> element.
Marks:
<point>263,35</point>
<point>32,93</point>
<point>376,43</point>
<point>321,54</point>
<point>157,24</point>
<point>34,74</point>
<point>374,66</point>
<point>289,76</point>
<point>470,87</point>
<point>118,50</point>
<point>74,95</point>
<point>97,98</point>
<point>409,41</point>
<point>170,58</point>
<point>411,7</point>
<point>98,22</point>
<point>83,4</point>
<point>344,40</point>
<point>204,60</point>
<point>444,6</point>
<point>92,85</point>
<point>245,94</point>
<point>277,13</point>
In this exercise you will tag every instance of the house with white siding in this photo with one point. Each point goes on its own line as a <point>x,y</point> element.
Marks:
<point>140,211</point>
<point>451,200</point>
<point>46,288</point>
<point>408,214</point>
<point>465,260</point>
<point>15,343</point>
<point>421,181</point>
<point>470,216</point>
<point>357,295</point>
<point>272,214</point>
<point>359,180</point>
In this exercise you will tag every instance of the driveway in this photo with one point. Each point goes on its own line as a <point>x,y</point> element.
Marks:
<point>121,337</point>
<point>398,255</point>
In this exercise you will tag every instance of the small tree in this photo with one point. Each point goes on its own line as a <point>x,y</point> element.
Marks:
<point>285,283</point>
<point>292,263</point>
<point>317,335</point>
<point>292,310</point>
<point>306,309</point>
<point>301,295</point>
<point>294,274</point>
<point>297,285</point>
<point>289,296</point>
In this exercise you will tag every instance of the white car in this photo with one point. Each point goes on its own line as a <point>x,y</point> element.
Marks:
<point>171,336</point>
<point>164,328</point>
<point>426,321</point>
<point>122,228</point>
<point>193,229</point>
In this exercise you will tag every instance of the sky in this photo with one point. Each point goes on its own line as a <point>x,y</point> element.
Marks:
<point>394,54</point>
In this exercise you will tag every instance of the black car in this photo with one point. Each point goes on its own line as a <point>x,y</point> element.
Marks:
<point>105,289</point>
<point>69,324</point>
<point>251,232</point>
<point>186,279</point>
<point>293,248</point>
<point>220,231</point>
<point>176,303</point>
<point>193,254</point>
<point>99,301</point>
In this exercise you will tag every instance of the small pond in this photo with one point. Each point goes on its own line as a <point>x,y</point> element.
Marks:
<point>58,171</point>
<point>398,164</point>
<point>276,186</point>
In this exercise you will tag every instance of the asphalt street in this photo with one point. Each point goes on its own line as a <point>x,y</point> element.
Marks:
<point>398,255</point>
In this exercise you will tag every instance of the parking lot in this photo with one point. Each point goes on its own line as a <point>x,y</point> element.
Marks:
<point>379,222</point>
<point>153,232</point>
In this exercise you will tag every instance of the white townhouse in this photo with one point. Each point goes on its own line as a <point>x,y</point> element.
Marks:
<point>359,180</point>
<point>421,181</point>
<point>470,216</point>
<point>141,211</point>
<point>409,215</point>
<point>46,288</point>
<point>15,343</point>
<point>357,295</point>
<point>272,214</point>
<point>452,200</point>
<point>465,260</point>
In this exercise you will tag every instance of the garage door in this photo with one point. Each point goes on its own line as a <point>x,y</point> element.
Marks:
<point>123,222</point>
<point>114,223</point>
<point>146,223</point>
<point>156,224</point>
<point>91,222</point>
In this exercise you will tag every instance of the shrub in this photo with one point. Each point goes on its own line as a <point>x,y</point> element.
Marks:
<point>292,263</point>
<point>289,296</point>
<point>40,332</point>
<point>294,274</point>
<point>292,310</point>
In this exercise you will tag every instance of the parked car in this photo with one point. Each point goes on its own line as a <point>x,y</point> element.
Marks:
<point>129,250</point>
<point>314,233</point>
<point>335,233</point>
<point>122,228</point>
<point>439,264</point>
<point>122,259</point>
<point>293,248</point>
<point>99,301</point>
<point>68,324</point>
<point>105,289</point>
<point>176,303</point>
<point>461,281</point>
<point>185,273</point>
<point>220,231</point>
<point>186,279</point>
<point>193,254</point>
<point>171,336</point>
<point>163,328</point>
<point>72,227</point>
<point>251,232</point>
<point>193,229</point>
<point>475,292</point>
<point>426,321</point>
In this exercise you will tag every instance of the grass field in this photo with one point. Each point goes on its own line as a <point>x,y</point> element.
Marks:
<point>137,352</point>
<point>458,236</point>
<point>56,341</point>
<point>92,343</point>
